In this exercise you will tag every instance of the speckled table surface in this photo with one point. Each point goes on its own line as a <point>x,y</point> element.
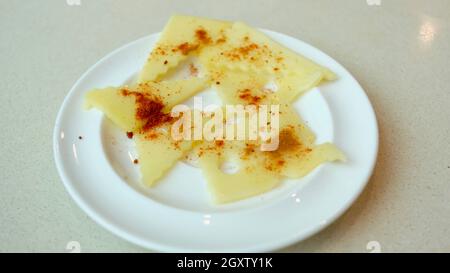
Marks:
<point>398,50</point>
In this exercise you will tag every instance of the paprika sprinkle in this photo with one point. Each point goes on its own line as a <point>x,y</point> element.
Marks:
<point>149,110</point>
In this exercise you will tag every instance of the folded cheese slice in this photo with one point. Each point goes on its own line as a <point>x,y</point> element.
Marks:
<point>181,37</point>
<point>258,171</point>
<point>248,50</point>
<point>121,109</point>
<point>297,154</point>
<point>157,150</point>
<point>249,178</point>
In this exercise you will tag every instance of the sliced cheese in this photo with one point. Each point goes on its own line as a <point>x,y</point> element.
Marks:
<point>182,36</point>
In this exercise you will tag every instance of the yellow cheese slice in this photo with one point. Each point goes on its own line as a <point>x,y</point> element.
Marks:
<point>118,108</point>
<point>182,36</point>
<point>250,51</point>
<point>158,154</point>
<point>297,154</point>
<point>249,180</point>
<point>260,171</point>
<point>157,151</point>
<point>174,92</point>
<point>122,109</point>
<point>247,48</point>
<point>235,87</point>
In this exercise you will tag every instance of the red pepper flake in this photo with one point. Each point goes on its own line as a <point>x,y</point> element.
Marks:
<point>135,161</point>
<point>130,135</point>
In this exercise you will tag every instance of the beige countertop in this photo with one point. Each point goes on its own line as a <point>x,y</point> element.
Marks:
<point>398,50</point>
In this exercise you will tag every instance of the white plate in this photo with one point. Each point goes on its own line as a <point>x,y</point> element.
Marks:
<point>176,215</point>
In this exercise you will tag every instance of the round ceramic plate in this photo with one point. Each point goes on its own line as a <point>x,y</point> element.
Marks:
<point>94,160</point>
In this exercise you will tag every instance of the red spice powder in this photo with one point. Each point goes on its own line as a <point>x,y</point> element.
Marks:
<point>280,162</point>
<point>159,51</point>
<point>246,95</point>
<point>185,48</point>
<point>148,109</point>
<point>151,135</point>
<point>130,135</point>
<point>288,144</point>
<point>248,150</point>
<point>202,36</point>
<point>219,143</point>
<point>221,40</point>
<point>243,52</point>
<point>288,141</point>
